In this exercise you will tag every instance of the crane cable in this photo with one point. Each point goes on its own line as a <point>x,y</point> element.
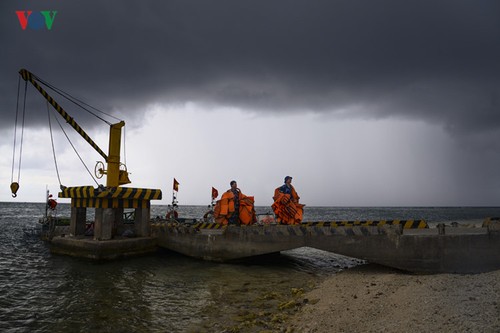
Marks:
<point>14,186</point>
<point>76,101</point>
<point>53,148</point>
<point>82,105</point>
<point>76,152</point>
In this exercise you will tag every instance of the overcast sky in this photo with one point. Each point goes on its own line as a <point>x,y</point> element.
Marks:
<point>364,103</point>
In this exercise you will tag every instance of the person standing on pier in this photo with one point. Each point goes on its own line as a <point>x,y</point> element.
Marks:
<point>235,191</point>
<point>286,204</point>
<point>234,207</point>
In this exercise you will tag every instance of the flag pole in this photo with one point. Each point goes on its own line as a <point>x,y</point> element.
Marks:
<point>172,211</point>
<point>209,216</point>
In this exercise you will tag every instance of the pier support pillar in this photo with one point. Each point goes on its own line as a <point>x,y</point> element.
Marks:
<point>119,226</point>
<point>78,220</point>
<point>104,222</point>
<point>141,222</point>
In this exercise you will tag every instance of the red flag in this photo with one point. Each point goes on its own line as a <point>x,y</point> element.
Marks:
<point>176,185</point>
<point>215,193</point>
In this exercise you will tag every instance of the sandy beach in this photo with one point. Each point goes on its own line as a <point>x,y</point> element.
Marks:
<point>372,298</point>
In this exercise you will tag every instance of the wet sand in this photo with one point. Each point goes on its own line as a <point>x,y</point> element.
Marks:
<point>372,298</point>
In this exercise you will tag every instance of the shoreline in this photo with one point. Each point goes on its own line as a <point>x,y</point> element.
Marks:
<point>373,298</point>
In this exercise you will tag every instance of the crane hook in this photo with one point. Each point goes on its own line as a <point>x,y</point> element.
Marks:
<point>14,187</point>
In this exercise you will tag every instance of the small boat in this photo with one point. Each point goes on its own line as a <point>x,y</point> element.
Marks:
<point>51,223</point>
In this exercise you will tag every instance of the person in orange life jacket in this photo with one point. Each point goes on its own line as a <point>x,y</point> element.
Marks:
<point>286,205</point>
<point>234,219</point>
<point>234,207</point>
<point>287,188</point>
<point>51,203</point>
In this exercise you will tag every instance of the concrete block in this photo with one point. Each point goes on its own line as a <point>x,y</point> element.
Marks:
<point>141,223</point>
<point>78,220</point>
<point>104,223</point>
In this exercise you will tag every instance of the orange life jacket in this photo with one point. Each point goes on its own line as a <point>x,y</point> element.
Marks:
<point>286,207</point>
<point>224,208</point>
<point>52,204</point>
<point>247,210</point>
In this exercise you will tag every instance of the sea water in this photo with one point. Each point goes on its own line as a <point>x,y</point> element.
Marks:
<point>166,292</point>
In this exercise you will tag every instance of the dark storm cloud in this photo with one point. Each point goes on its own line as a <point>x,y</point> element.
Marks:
<point>431,60</point>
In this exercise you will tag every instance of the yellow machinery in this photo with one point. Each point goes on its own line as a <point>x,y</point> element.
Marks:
<point>110,200</point>
<point>115,176</point>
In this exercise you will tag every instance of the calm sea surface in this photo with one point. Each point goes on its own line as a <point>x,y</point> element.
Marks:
<point>166,292</point>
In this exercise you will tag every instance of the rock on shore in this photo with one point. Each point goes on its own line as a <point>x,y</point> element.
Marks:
<point>372,298</point>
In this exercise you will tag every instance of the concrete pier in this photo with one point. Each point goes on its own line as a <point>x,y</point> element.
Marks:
<point>420,249</point>
<point>86,247</point>
<point>108,240</point>
<point>219,243</point>
<point>406,245</point>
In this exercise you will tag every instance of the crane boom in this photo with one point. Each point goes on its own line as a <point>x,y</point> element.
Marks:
<point>115,176</point>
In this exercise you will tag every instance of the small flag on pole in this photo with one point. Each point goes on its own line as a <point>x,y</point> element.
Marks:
<point>176,185</point>
<point>215,193</point>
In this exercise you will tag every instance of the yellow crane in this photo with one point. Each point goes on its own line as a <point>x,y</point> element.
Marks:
<point>115,175</point>
<point>110,201</point>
